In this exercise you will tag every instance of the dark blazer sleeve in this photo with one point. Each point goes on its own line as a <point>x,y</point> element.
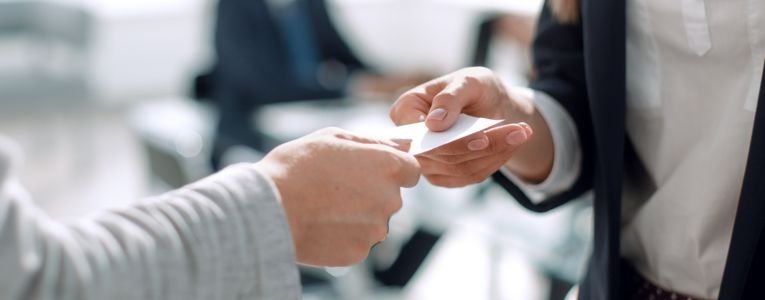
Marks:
<point>559,61</point>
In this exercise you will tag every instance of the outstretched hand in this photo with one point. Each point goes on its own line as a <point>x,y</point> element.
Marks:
<point>477,92</point>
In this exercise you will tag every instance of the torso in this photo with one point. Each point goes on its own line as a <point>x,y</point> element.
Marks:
<point>692,94</point>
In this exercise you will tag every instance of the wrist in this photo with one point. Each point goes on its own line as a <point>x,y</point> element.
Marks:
<point>533,161</point>
<point>277,176</point>
<point>520,105</point>
<point>270,171</point>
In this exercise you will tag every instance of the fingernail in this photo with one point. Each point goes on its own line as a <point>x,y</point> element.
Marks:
<point>528,129</point>
<point>437,114</point>
<point>516,137</point>
<point>478,144</point>
<point>422,118</point>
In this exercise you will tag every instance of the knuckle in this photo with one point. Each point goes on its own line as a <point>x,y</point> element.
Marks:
<point>449,153</point>
<point>380,233</point>
<point>497,145</point>
<point>394,205</point>
<point>358,253</point>
<point>471,167</point>
<point>473,179</point>
<point>442,181</point>
<point>408,108</point>
<point>459,170</point>
<point>330,131</point>
<point>495,148</point>
<point>426,164</point>
<point>444,99</point>
<point>476,178</point>
<point>395,110</point>
<point>472,81</point>
<point>434,167</point>
<point>474,77</point>
<point>447,156</point>
<point>455,184</point>
<point>487,174</point>
<point>434,180</point>
<point>392,164</point>
<point>404,167</point>
<point>480,70</point>
<point>379,154</point>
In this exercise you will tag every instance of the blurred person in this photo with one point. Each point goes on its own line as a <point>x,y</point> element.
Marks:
<point>652,105</point>
<point>236,234</point>
<point>271,51</point>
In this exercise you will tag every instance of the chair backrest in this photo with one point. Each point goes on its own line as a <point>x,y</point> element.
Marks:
<point>63,24</point>
<point>483,41</point>
<point>49,45</point>
<point>46,21</point>
<point>14,16</point>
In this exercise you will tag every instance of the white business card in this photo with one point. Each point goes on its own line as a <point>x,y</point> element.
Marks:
<point>424,140</point>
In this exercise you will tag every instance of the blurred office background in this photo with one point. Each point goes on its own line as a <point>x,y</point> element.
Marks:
<point>115,100</point>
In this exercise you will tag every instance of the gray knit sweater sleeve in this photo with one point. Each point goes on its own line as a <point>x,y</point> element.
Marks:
<point>224,237</point>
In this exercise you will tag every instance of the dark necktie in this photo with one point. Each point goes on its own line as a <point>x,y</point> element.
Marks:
<point>301,44</point>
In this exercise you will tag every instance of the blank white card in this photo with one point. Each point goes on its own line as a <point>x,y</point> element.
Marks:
<point>424,140</point>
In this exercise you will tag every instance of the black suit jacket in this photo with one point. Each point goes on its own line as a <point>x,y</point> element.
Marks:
<point>583,67</point>
<point>252,61</point>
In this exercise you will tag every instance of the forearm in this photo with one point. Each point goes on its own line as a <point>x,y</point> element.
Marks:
<point>561,129</point>
<point>222,238</point>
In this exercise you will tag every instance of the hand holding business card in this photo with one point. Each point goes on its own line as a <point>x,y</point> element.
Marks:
<point>424,140</point>
<point>448,159</point>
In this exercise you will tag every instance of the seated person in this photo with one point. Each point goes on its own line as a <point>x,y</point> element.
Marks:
<point>270,51</point>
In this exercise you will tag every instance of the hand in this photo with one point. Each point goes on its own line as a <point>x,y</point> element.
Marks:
<point>474,158</point>
<point>478,92</point>
<point>339,191</point>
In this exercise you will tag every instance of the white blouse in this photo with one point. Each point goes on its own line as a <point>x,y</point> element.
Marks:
<point>693,77</point>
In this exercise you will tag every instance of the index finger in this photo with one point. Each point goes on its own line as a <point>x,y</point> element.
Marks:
<point>414,105</point>
<point>409,170</point>
<point>411,107</point>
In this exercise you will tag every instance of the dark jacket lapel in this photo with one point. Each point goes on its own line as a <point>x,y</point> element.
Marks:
<point>746,262</point>
<point>605,52</point>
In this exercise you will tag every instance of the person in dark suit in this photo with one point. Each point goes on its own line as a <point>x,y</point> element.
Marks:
<point>271,51</point>
<point>652,106</point>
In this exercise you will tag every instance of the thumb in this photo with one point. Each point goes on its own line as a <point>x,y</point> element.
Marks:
<point>449,103</point>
